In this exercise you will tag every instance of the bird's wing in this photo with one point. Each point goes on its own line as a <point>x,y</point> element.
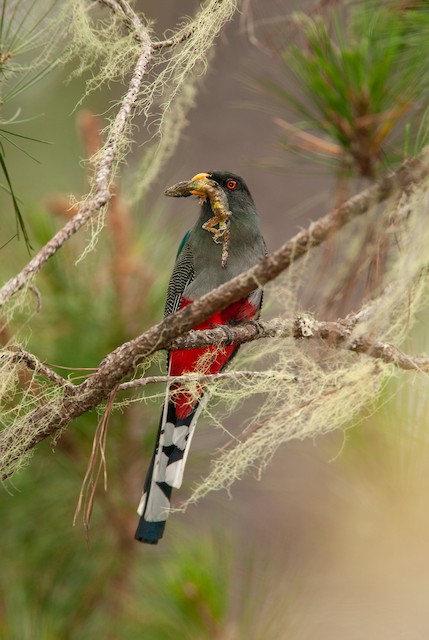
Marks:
<point>183,274</point>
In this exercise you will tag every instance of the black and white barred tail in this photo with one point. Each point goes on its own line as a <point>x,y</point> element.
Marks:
<point>165,471</point>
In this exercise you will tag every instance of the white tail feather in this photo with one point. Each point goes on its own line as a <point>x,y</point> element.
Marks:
<point>154,504</point>
<point>174,472</point>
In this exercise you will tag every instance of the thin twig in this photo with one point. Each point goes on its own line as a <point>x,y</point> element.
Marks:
<point>203,378</point>
<point>251,429</point>
<point>178,38</point>
<point>21,356</point>
<point>130,18</point>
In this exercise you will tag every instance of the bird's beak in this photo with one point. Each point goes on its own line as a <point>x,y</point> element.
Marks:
<point>194,187</point>
<point>197,184</point>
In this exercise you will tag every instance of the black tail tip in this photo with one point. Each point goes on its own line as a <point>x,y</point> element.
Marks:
<point>149,532</point>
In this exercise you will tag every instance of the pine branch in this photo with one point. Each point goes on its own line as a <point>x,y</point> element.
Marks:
<point>335,334</point>
<point>45,420</point>
<point>102,184</point>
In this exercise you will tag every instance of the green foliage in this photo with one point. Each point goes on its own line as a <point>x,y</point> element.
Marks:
<point>193,583</point>
<point>362,78</point>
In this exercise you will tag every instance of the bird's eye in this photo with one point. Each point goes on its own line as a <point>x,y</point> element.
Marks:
<point>231,184</point>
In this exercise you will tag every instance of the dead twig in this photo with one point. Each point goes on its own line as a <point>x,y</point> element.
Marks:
<point>92,475</point>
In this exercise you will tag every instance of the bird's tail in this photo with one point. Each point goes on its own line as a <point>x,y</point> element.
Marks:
<point>166,469</point>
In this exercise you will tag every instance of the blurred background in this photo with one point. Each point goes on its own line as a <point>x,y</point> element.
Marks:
<point>331,541</point>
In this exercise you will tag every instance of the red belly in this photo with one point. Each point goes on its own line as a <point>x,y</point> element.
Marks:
<point>207,359</point>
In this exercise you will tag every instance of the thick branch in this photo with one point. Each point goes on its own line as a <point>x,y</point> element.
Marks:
<point>102,180</point>
<point>338,334</point>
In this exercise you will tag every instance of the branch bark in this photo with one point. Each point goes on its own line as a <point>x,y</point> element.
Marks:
<point>178,38</point>
<point>302,327</point>
<point>338,334</point>
<point>129,17</point>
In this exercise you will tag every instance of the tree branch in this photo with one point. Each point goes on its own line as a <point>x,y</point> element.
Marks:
<point>200,377</point>
<point>20,356</point>
<point>338,334</point>
<point>335,334</point>
<point>182,35</point>
<point>132,21</point>
<point>130,18</point>
<point>178,38</point>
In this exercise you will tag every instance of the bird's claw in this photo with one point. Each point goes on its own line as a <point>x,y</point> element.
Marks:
<point>228,333</point>
<point>259,328</point>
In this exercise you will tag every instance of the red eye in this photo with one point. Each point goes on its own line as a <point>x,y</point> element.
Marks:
<point>231,184</point>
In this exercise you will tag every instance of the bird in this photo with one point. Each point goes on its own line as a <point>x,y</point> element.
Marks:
<point>197,271</point>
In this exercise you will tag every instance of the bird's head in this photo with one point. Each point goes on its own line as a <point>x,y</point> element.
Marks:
<point>233,186</point>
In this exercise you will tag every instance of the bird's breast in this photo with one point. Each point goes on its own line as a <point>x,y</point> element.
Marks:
<point>244,252</point>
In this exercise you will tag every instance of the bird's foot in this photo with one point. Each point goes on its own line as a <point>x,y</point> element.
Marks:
<point>228,333</point>
<point>259,328</point>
